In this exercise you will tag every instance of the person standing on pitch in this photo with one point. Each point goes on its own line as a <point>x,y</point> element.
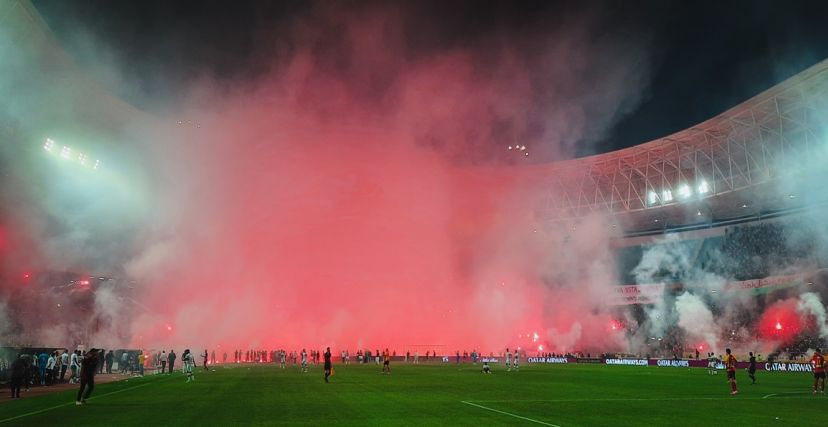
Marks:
<point>89,367</point>
<point>386,359</point>
<point>189,364</point>
<point>818,362</point>
<point>50,367</point>
<point>42,360</point>
<point>204,359</point>
<point>730,365</point>
<point>18,372</point>
<point>163,361</point>
<point>64,364</point>
<point>508,360</point>
<point>171,360</point>
<point>752,368</point>
<point>328,365</point>
<point>74,365</point>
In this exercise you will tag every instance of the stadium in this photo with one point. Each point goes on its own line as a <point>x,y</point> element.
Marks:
<point>243,233</point>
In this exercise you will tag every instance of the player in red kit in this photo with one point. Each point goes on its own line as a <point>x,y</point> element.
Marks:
<point>730,364</point>
<point>818,362</point>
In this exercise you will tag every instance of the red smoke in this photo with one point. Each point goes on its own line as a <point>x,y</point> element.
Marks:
<point>347,197</point>
<point>781,322</point>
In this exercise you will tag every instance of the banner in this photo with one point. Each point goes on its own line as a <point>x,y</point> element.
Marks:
<point>637,294</point>
<point>789,367</point>
<point>589,360</point>
<point>629,362</point>
<point>769,283</point>
<point>546,360</point>
<point>673,363</point>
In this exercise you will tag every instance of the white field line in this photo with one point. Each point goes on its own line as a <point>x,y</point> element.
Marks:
<point>40,411</point>
<point>509,414</point>
<point>645,399</point>
<point>786,392</point>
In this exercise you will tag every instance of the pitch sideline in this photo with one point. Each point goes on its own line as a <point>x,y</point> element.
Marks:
<point>509,414</point>
<point>51,408</point>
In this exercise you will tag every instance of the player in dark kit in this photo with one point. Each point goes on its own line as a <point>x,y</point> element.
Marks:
<point>386,359</point>
<point>89,367</point>
<point>730,365</point>
<point>328,366</point>
<point>818,362</point>
<point>752,368</point>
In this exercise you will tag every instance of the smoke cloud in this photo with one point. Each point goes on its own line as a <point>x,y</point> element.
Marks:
<point>355,191</point>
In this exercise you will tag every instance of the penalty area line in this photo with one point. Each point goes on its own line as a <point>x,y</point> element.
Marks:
<point>509,414</point>
<point>52,408</point>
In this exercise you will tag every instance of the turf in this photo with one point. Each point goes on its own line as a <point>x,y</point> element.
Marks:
<point>562,395</point>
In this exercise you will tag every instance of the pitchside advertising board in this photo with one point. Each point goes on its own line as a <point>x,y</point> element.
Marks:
<point>628,362</point>
<point>673,363</point>
<point>547,360</point>
<point>789,367</point>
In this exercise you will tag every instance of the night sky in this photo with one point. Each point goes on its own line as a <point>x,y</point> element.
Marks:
<point>705,56</point>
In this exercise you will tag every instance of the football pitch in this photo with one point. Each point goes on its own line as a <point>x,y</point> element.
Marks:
<point>448,394</point>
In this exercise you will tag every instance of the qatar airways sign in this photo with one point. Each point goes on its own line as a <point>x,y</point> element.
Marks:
<point>630,362</point>
<point>674,363</point>
<point>546,360</point>
<point>789,367</point>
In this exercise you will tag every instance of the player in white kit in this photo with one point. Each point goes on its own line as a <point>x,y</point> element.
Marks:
<point>508,360</point>
<point>189,364</point>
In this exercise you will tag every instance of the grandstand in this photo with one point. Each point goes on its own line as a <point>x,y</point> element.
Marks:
<point>750,161</point>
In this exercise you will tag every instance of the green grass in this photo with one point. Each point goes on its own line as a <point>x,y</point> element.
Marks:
<point>564,395</point>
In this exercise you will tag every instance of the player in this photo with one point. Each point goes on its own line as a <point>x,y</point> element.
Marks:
<point>328,365</point>
<point>711,364</point>
<point>189,363</point>
<point>304,360</point>
<point>386,359</point>
<point>89,366</point>
<point>282,357</point>
<point>752,368</point>
<point>486,369</point>
<point>730,365</point>
<point>818,362</point>
<point>508,360</point>
<point>516,360</point>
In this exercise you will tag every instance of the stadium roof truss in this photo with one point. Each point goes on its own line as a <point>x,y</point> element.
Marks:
<point>750,144</point>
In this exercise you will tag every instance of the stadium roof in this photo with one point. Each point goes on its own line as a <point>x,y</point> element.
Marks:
<point>55,94</point>
<point>733,165</point>
<point>725,167</point>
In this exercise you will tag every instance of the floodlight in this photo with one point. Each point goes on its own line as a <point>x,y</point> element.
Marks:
<point>49,145</point>
<point>703,187</point>
<point>685,191</point>
<point>652,197</point>
<point>667,196</point>
<point>65,152</point>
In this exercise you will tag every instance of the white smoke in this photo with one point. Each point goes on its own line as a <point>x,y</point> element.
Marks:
<point>810,304</point>
<point>696,319</point>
